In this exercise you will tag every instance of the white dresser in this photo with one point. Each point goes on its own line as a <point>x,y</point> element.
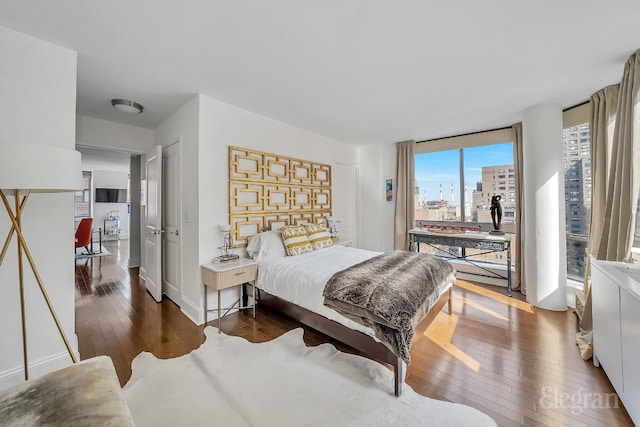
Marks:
<point>616,328</point>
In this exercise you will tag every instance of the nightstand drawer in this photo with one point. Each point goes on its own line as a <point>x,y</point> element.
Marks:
<point>229,277</point>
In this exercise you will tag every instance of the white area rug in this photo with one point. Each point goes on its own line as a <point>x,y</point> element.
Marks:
<point>97,251</point>
<point>232,382</point>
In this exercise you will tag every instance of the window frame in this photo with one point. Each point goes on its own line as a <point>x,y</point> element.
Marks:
<point>461,142</point>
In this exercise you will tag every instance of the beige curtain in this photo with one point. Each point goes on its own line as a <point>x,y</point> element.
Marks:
<point>405,193</point>
<point>615,179</point>
<point>603,115</point>
<point>624,177</point>
<point>518,243</point>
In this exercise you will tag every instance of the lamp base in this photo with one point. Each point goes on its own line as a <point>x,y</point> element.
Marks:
<point>23,250</point>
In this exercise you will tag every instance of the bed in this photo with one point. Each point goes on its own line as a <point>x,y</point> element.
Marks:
<point>293,285</point>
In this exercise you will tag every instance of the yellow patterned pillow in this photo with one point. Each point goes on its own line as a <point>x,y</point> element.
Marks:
<point>295,240</point>
<point>318,236</point>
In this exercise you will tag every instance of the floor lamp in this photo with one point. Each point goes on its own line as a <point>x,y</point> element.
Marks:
<point>33,168</point>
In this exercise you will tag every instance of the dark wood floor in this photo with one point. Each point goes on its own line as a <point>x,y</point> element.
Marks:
<point>518,364</point>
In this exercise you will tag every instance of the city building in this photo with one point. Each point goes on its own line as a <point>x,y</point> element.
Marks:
<point>496,180</point>
<point>577,190</point>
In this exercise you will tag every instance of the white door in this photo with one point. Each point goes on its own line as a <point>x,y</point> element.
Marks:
<point>345,197</point>
<point>171,208</point>
<point>153,232</point>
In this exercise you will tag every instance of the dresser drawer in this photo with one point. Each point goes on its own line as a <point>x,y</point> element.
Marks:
<point>230,277</point>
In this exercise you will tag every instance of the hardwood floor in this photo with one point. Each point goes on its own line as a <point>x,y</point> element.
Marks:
<point>518,364</point>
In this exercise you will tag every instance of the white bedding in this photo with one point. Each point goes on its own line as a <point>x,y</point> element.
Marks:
<point>301,279</point>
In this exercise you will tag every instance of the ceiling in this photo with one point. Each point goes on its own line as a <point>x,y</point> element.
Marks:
<point>359,71</point>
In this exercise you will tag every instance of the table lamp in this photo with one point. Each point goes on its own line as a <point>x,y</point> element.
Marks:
<point>226,250</point>
<point>27,168</point>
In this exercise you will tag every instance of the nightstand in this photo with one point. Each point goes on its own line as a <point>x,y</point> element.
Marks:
<point>223,276</point>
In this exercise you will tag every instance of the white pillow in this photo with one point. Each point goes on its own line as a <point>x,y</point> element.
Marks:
<point>266,246</point>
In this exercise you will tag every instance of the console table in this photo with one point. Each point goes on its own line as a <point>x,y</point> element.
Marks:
<point>475,240</point>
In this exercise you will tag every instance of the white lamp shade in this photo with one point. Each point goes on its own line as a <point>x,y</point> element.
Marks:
<point>39,168</point>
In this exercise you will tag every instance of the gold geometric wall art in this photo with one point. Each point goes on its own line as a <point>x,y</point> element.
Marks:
<point>277,169</point>
<point>279,197</point>
<point>322,174</point>
<point>249,167</point>
<point>267,191</point>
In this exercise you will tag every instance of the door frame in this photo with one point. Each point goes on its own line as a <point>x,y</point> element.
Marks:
<point>357,199</point>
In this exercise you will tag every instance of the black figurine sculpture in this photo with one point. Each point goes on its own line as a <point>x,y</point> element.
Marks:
<point>496,215</point>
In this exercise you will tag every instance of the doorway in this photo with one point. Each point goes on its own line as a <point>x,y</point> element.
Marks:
<point>120,170</point>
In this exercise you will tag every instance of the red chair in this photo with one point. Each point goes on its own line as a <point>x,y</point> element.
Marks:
<point>84,234</point>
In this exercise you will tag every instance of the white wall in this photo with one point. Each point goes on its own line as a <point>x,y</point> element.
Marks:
<point>105,134</point>
<point>183,125</point>
<point>222,125</point>
<point>206,127</point>
<point>110,179</point>
<point>544,212</point>
<point>37,105</point>
<point>376,215</point>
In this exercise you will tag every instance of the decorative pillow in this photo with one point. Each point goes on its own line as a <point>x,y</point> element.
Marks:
<point>295,240</point>
<point>266,246</point>
<point>318,235</point>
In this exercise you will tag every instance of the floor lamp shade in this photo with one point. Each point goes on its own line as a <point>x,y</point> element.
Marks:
<point>33,168</point>
<point>39,168</point>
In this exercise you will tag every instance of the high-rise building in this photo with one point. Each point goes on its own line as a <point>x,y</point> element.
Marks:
<point>496,180</point>
<point>577,189</point>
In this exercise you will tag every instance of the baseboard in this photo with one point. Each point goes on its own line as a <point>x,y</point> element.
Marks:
<point>37,368</point>
<point>134,262</point>
<point>192,311</point>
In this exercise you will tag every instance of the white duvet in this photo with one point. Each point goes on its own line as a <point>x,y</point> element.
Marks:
<point>301,279</point>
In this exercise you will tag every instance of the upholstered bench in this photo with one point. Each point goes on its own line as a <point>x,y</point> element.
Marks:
<point>84,394</point>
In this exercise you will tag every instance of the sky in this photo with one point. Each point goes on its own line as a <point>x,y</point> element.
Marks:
<point>443,167</point>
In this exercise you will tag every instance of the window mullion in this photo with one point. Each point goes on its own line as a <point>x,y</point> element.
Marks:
<point>462,195</point>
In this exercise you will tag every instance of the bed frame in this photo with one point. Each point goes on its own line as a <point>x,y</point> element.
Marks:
<point>267,191</point>
<point>355,339</point>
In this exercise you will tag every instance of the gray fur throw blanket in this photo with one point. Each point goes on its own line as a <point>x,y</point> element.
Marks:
<point>390,293</point>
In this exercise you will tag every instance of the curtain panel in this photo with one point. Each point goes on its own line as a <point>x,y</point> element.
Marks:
<point>623,184</point>
<point>601,123</point>
<point>615,170</point>
<point>405,212</point>
<point>519,219</point>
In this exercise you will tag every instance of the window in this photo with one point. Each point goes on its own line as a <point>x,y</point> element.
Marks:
<point>577,184</point>
<point>454,189</point>
<point>82,200</point>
